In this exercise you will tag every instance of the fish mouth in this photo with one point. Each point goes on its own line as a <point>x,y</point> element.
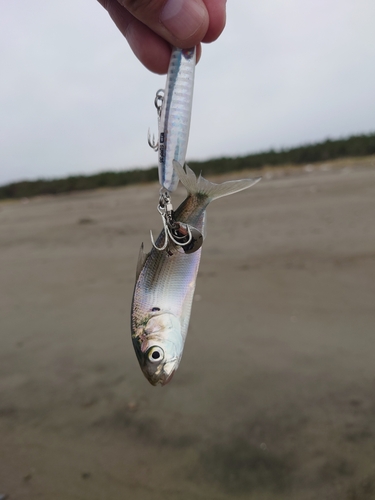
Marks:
<point>168,379</point>
<point>164,374</point>
<point>161,379</point>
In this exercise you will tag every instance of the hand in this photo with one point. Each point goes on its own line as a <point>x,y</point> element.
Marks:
<point>152,26</point>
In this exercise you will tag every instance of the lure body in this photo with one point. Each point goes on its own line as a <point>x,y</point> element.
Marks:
<point>174,115</point>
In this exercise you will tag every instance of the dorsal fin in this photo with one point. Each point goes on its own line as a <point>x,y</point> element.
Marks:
<point>142,256</point>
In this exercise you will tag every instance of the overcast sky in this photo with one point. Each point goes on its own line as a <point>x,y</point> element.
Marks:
<point>74,99</point>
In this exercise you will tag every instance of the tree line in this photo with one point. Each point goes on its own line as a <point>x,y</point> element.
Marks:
<point>356,145</point>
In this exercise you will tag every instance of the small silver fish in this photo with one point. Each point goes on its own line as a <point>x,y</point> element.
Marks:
<point>165,282</point>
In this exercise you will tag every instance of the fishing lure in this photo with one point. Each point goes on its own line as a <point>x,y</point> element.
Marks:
<point>174,106</point>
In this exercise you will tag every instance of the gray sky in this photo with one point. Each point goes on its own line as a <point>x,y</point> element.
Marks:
<point>74,99</point>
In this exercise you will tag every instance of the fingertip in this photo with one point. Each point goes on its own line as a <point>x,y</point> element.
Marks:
<point>187,21</point>
<point>153,47</point>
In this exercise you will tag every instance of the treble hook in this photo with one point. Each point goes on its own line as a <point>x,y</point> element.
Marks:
<point>151,142</point>
<point>180,234</point>
<point>168,235</point>
<point>158,102</point>
<point>162,212</point>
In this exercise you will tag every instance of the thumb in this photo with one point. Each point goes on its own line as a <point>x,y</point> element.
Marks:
<point>183,23</point>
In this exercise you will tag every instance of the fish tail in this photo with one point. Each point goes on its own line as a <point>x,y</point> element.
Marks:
<point>201,186</point>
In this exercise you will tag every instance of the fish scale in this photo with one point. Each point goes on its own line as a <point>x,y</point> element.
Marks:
<point>168,283</point>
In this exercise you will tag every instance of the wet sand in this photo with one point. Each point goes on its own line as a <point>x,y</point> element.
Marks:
<point>275,394</point>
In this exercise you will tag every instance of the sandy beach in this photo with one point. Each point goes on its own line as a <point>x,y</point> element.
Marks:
<point>275,394</point>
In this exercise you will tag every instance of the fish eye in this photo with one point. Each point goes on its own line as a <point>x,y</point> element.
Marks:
<point>155,354</point>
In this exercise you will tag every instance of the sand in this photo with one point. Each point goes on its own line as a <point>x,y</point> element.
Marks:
<point>274,397</point>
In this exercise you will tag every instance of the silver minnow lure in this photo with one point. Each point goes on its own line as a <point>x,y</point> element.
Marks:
<point>174,106</point>
<point>165,282</point>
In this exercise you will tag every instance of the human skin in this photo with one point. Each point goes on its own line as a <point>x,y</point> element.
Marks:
<point>152,26</point>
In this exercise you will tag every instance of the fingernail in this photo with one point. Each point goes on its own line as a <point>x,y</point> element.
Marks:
<point>183,17</point>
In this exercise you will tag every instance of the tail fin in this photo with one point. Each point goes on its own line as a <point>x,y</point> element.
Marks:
<point>204,187</point>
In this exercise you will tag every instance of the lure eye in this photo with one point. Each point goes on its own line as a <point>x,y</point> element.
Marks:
<point>155,354</point>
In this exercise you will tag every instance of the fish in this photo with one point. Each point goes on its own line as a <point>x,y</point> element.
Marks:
<point>166,280</point>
